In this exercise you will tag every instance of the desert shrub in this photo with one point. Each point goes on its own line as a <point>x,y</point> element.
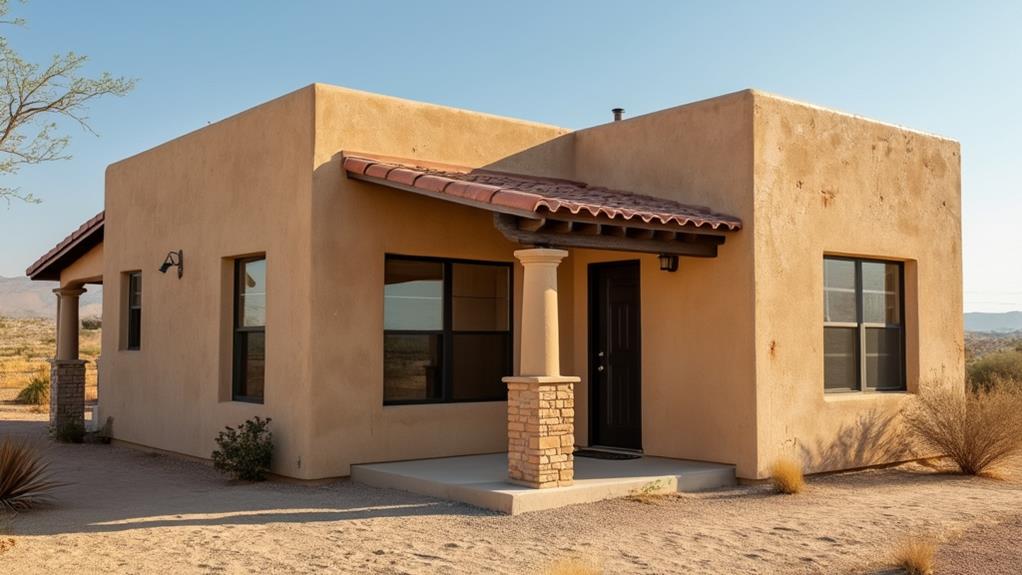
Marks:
<point>92,323</point>
<point>69,431</point>
<point>915,555</point>
<point>245,452</point>
<point>1003,368</point>
<point>37,392</point>
<point>786,476</point>
<point>977,430</point>
<point>24,481</point>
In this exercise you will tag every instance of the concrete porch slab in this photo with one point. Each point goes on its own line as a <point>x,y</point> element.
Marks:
<point>481,480</point>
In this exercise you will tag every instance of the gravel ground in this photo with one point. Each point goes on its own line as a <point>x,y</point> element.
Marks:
<point>132,512</point>
<point>994,547</point>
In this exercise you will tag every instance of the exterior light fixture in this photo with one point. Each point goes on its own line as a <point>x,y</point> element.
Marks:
<point>668,262</point>
<point>174,259</point>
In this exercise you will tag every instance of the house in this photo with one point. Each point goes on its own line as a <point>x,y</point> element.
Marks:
<point>726,281</point>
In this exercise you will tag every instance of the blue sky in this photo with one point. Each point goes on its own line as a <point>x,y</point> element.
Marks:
<point>951,68</point>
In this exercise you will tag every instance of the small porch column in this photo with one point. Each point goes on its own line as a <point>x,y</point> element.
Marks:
<point>540,401</point>
<point>67,373</point>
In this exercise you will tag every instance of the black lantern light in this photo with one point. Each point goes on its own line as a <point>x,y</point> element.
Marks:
<point>174,259</point>
<point>668,262</point>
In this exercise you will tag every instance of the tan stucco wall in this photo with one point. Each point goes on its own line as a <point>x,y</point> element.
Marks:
<point>86,269</point>
<point>240,186</point>
<point>831,183</point>
<point>698,370</point>
<point>354,224</point>
<point>732,346</point>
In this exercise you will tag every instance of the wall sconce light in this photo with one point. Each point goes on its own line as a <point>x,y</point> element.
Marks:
<point>668,262</point>
<point>174,259</point>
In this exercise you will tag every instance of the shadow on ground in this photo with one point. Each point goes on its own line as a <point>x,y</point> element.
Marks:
<point>111,488</point>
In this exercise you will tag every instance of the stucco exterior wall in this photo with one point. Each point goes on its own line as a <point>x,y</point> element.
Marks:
<point>698,357</point>
<point>354,225</point>
<point>240,186</point>
<point>830,183</point>
<point>732,358</point>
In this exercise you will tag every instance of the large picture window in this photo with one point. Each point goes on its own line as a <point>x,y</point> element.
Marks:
<point>447,330</point>
<point>249,329</point>
<point>863,333</point>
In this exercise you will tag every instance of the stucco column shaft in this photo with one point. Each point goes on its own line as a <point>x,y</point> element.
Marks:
<point>540,401</point>
<point>67,322</point>
<point>540,350</point>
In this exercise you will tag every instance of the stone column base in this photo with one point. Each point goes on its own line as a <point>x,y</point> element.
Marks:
<point>541,430</point>
<point>67,392</point>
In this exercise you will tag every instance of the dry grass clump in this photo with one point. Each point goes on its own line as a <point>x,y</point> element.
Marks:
<point>978,430</point>
<point>573,567</point>
<point>650,493</point>
<point>24,481</point>
<point>786,476</point>
<point>37,392</point>
<point>915,555</point>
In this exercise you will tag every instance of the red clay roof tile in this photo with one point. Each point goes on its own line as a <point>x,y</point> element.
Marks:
<point>83,233</point>
<point>535,194</point>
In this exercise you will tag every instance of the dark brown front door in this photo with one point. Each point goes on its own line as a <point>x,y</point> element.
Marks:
<point>614,355</point>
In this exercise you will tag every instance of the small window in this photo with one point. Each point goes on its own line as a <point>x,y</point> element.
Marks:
<point>134,311</point>
<point>447,330</point>
<point>863,333</point>
<point>249,329</point>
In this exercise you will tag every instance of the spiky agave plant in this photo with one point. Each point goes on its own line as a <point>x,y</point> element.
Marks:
<point>24,480</point>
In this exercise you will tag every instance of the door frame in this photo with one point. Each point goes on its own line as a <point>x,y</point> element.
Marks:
<point>591,272</point>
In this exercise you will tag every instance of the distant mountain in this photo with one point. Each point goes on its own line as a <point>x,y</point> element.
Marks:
<point>22,297</point>
<point>994,322</point>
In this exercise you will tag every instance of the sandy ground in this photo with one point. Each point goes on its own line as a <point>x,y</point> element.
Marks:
<point>126,511</point>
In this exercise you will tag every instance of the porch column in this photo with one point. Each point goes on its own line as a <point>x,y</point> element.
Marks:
<point>67,372</point>
<point>540,401</point>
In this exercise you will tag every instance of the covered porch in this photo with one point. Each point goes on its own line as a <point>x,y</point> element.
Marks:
<point>548,217</point>
<point>76,262</point>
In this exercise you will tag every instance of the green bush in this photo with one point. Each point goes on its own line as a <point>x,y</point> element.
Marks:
<point>92,323</point>
<point>997,369</point>
<point>245,452</point>
<point>37,392</point>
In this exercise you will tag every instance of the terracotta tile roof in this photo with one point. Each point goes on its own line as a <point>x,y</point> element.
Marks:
<point>70,248</point>
<point>518,193</point>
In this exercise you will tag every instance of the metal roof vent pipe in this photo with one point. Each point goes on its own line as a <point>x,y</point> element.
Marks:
<point>618,112</point>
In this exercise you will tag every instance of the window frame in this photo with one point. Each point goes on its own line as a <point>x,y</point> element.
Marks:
<point>862,327</point>
<point>237,328</point>
<point>129,308</point>
<point>447,332</point>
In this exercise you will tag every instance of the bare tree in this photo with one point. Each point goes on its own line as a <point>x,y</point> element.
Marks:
<point>33,98</point>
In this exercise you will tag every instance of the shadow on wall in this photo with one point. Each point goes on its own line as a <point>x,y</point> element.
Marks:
<point>873,439</point>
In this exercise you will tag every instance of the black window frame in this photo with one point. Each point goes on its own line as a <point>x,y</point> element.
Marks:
<point>237,329</point>
<point>133,313</point>
<point>447,333</point>
<point>862,327</point>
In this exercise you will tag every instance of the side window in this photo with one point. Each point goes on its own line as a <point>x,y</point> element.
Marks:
<point>133,313</point>
<point>249,329</point>
<point>863,329</point>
